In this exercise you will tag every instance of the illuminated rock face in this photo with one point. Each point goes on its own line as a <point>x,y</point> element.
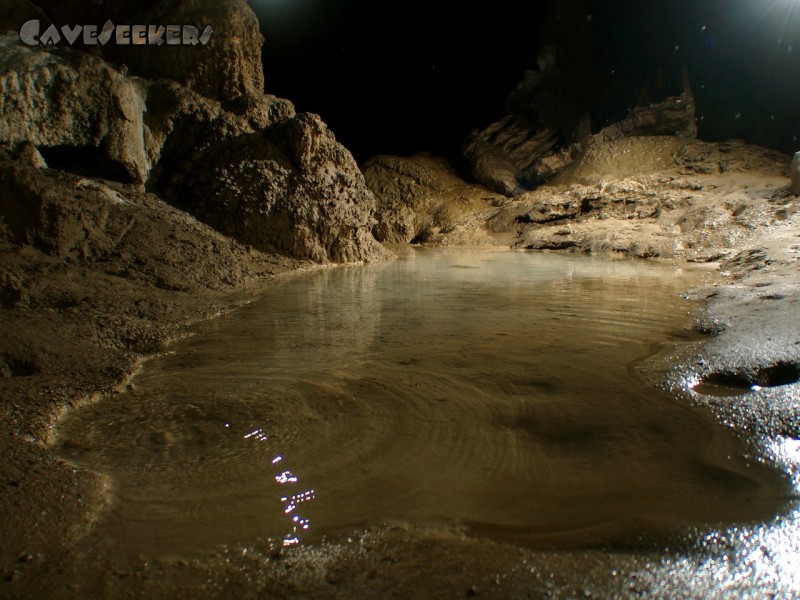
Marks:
<point>536,143</point>
<point>795,174</point>
<point>199,131</point>
<point>72,102</point>
<point>291,188</point>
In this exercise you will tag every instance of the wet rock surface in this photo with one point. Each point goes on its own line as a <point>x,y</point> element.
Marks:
<point>750,340</point>
<point>97,273</point>
<point>94,275</point>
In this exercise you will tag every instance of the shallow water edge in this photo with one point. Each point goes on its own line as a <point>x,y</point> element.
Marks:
<point>526,419</point>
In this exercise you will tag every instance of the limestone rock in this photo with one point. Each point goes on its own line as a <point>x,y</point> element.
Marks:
<point>795,174</point>
<point>68,103</point>
<point>492,168</point>
<point>228,68</point>
<point>181,125</point>
<point>290,188</point>
<point>422,199</point>
<point>29,155</point>
<point>654,196</point>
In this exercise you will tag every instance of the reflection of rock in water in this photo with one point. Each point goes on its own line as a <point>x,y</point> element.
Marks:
<point>355,322</point>
<point>498,396</point>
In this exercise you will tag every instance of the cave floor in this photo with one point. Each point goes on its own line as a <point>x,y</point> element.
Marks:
<point>75,331</point>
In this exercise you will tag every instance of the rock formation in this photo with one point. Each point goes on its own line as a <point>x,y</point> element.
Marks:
<point>228,68</point>
<point>675,116</point>
<point>421,199</point>
<point>73,105</point>
<point>795,174</point>
<point>534,144</point>
<point>117,230</point>
<point>529,146</point>
<point>668,197</point>
<point>197,129</point>
<point>290,188</point>
<point>557,106</point>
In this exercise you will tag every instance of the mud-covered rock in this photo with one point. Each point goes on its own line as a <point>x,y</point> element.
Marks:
<point>75,108</point>
<point>291,188</point>
<point>422,199</point>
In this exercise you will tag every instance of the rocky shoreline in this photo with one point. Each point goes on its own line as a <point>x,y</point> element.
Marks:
<point>78,326</point>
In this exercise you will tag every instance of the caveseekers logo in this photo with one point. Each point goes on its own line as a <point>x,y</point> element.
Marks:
<point>122,35</point>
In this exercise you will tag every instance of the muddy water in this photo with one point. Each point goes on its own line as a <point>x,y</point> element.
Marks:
<point>492,390</point>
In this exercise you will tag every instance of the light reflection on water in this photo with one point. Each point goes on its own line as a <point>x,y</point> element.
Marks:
<point>297,523</point>
<point>491,389</point>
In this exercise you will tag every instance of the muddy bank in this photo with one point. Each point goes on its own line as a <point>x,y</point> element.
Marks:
<point>117,277</point>
<point>88,289</point>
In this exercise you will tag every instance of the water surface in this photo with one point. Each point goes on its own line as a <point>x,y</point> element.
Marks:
<point>491,390</point>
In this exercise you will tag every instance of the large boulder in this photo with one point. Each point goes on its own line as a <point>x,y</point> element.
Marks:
<point>75,107</point>
<point>422,199</point>
<point>83,114</point>
<point>291,188</point>
<point>181,125</point>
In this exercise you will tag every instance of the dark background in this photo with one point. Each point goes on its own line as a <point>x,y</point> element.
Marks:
<point>401,77</point>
